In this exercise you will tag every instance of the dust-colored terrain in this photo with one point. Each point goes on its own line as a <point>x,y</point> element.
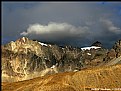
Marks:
<point>107,77</point>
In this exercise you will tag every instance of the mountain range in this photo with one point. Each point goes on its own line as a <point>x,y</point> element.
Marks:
<point>65,68</point>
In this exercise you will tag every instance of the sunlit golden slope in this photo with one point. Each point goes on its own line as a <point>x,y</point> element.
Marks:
<point>108,77</point>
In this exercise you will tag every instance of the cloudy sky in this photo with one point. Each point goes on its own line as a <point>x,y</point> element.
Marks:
<point>63,23</point>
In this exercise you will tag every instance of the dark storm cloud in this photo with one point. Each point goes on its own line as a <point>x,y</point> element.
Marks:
<point>89,21</point>
<point>109,26</point>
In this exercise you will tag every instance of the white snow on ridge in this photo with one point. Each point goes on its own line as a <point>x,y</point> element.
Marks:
<point>88,48</point>
<point>42,44</point>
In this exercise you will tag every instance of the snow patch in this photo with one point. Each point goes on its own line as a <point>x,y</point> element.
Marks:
<point>45,58</point>
<point>42,44</point>
<point>88,48</point>
<point>75,70</point>
<point>53,66</point>
<point>23,39</point>
<point>88,54</point>
<point>12,41</point>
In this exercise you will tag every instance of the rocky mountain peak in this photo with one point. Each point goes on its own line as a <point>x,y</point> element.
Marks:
<point>97,43</point>
<point>22,40</point>
<point>117,47</point>
<point>117,44</point>
<point>24,45</point>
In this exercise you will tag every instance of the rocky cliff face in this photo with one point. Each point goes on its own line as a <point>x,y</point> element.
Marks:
<point>117,48</point>
<point>26,59</point>
<point>114,53</point>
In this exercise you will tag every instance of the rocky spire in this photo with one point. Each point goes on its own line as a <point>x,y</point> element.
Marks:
<point>97,43</point>
<point>117,48</point>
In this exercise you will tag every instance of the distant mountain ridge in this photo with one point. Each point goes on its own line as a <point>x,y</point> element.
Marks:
<point>26,59</point>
